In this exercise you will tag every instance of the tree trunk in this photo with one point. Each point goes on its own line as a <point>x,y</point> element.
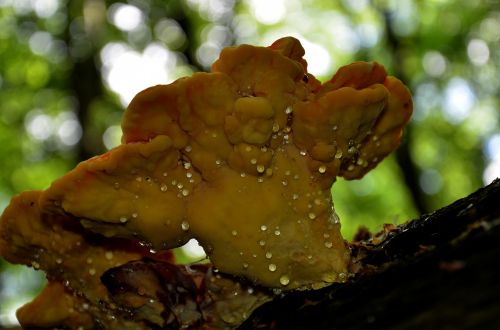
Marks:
<point>436,272</point>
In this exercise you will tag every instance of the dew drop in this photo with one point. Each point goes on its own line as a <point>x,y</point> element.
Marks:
<point>245,265</point>
<point>138,179</point>
<point>234,233</point>
<point>187,166</point>
<point>243,174</point>
<point>277,232</point>
<point>350,167</point>
<point>329,277</point>
<point>185,225</point>
<point>328,244</point>
<point>322,169</point>
<point>260,168</point>
<point>188,148</point>
<point>123,219</point>
<point>312,216</point>
<point>272,267</point>
<point>269,255</point>
<point>134,215</point>
<point>262,243</point>
<point>163,187</point>
<point>335,127</point>
<point>59,261</point>
<point>109,255</point>
<point>253,161</point>
<point>288,110</point>
<point>295,196</point>
<point>263,227</point>
<point>185,192</point>
<point>284,280</point>
<point>338,154</point>
<point>303,152</point>
<point>92,271</point>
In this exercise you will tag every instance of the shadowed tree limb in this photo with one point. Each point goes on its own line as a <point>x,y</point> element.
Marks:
<point>435,272</point>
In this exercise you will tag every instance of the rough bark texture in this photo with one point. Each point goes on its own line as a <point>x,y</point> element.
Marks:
<point>436,272</point>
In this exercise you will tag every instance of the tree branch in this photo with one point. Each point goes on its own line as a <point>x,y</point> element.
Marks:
<point>438,271</point>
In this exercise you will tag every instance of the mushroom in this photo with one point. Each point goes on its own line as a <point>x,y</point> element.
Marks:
<point>241,159</point>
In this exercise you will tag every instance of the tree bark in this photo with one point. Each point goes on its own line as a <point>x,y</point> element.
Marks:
<point>436,272</point>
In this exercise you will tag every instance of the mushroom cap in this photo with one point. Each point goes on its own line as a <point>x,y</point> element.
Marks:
<point>242,159</point>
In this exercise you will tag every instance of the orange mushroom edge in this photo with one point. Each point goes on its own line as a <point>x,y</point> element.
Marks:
<point>242,159</point>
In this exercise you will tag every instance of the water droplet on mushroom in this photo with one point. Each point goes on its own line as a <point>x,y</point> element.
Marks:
<point>187,166</point>
<point>312,216</point>
<point>134,215</point>
<point>185,225</point>
<point>326,235</point>
<point>59,261</point>
<point>272,267</point>
<point>276,127</point>
<point>117,185</point>
<point>253,161</point>
<point>92,271</point>
<point>138,179</point>
<point>180,185</point>
<point>109,255</point>
<point>260,179</point>
<point>234,233</point>
<point>284,280</point>
<point>335,127</point>
<point>165,173</point>
<point>269,171</point>
<point>338,154</point>
<point>260,168</point>
<point>350,167</point>
<point>189,175</point>
<point>185,192</point>
<point>328,244</point>
<point>263,227</point>
<point>218,162</point>
<point>303,152</point>
<point>262,243</point>
<point>284,183</point>
<point>342,276</point>
<point>243,174</point>
<point>288,110</point>
<point>322,169</point>
<point>295,196</point>
<point>89,260</point>
<point>188,148</point>
<point>163,187</point>
<point>329,277</point>
<point>277,232</point>
<point>123,219</point>
<point>245,265</point>
<point>269,255</point>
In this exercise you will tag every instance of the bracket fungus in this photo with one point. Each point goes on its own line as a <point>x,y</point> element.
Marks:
<point>242,159</point>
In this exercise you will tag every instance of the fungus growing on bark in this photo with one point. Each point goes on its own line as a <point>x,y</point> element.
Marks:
<point>242,159</point>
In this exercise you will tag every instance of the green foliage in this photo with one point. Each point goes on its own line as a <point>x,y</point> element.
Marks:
<point>62,89</point>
